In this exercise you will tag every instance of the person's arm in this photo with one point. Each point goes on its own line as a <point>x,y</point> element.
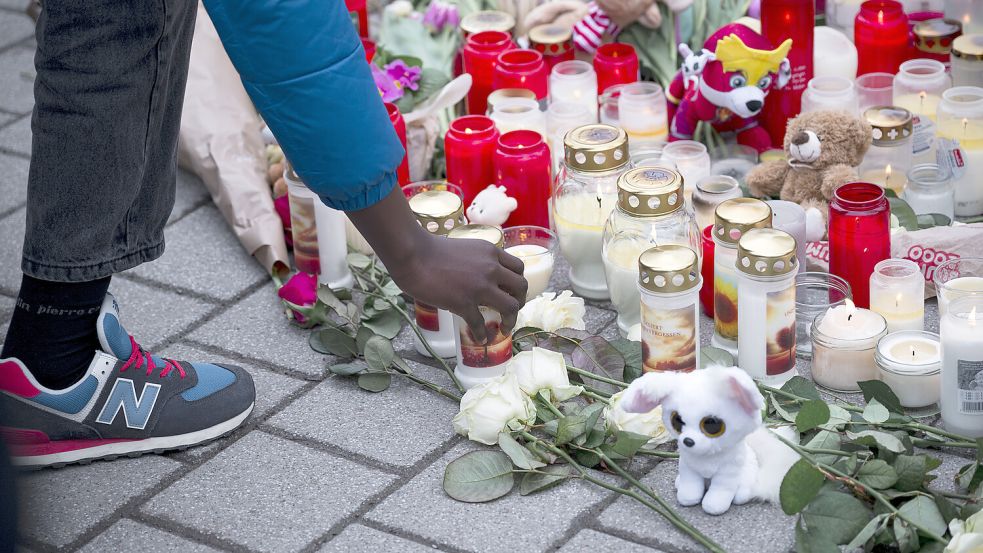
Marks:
<point>304,68</point>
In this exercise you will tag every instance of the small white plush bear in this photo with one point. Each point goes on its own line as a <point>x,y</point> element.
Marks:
<point>715,416</point>
<point>693,64</point>
<point>492,206</point>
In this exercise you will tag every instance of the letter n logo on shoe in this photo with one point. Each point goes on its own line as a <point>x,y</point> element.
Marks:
<point>136,410</point>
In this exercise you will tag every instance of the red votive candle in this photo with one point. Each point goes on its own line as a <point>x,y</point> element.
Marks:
<point>706,271</point>
<point>781,20</point>
<point>881,35</point>
<point>358,7</point>
<point>859,235</point>
<point>522,166</point>
<point>403,172</point>
<point>554,42</point>
<point>480,56</point>
<point>369,47</point>
<point>469,149</point>
<point>521,69</point>
<point>615,63</point>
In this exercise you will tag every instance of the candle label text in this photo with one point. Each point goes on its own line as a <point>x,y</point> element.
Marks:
<point>669,338</point>
<point>780,331</point>
<point>969,375</point>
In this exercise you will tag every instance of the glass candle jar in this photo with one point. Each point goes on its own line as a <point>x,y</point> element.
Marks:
<point>469,149</point>
<point>608,102</point>
<point>561,118</point>
<point>403,172</point>
<point>959,145</point>
<point>650,156</point>
<point>967,61</point>
<point>536,247</point>
<point>844,340</point>
<point>480,55</point>
<point>513,114</point>
<point>766,269</point>
<point>880,32</point>
<point>439,209</point>
<point>955,278</point>
<point>522,166</point>
<point>615,63</point>
<point>918,88</point>
<point>859,235</point>
<point>732,219</point>
<point>480,362</point>
<point>506,94</point>
<point>962,367</point>
<point>710,192</point>
<point>782,20</point>
<point>889,156</point>
<point>910,363</point>
<point>839,54</point>
<point>691,160</point>
<point>585,194</point>
<point>476,22</point>
<point>815,293</point>
<point>669,285</point>
<point>554,42</point>
<point>650,212</point>
<point>830,93</point>
<point>303,222</point>
<point>968,12</point>
<point>897,292</point>
<point>791,218</point>
<point>930,190</point>
<point>933,38</point>
<point>733,160</point>
<point>521,69</point>
<point>874,89</point>
<point>574,81</point>
<point>643,115</point>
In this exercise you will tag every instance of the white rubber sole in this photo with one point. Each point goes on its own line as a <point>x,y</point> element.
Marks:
<point>134,448</point>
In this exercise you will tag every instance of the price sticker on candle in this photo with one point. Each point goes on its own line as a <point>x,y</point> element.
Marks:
<point>970,377</point>
<point>923,135</point>
<point>949,154</point>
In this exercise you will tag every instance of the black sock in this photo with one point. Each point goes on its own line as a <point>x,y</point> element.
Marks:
<point>53,329</point>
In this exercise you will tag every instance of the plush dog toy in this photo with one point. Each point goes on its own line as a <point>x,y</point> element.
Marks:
<point>726,84</point>
<point>715,416</point>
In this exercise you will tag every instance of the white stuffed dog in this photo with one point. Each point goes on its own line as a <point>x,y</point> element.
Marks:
<point>715,416</point>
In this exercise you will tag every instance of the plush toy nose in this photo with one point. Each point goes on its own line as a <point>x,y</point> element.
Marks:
<point>800,138</point>
<point>754,105</point>
<point>689,442</point>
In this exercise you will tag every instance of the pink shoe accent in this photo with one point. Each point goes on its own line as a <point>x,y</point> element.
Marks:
<point>13,380</point>
<point>24,442</point>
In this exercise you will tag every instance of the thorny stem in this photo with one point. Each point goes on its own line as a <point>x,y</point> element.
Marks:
<point>658,453</point>
<point>596,394</point>
<point>597,377</point>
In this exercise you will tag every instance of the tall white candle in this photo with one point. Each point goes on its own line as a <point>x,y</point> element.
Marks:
<point>960,145</point>
<point>844,341</point>
<point>791,218</point>
<point>962,367</point>
<point>957,288</point>
<point>579,220</point>
<point>332,247</point>
<point>897,292</point>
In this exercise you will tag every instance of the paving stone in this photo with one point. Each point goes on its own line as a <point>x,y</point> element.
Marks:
<point>17,86</point>
<point>268,494</point>
<point>153,315</point>
<point>595,319</point>
<point>17,136</point>
<point>129,535</point>
<point>534,522</point>
<point>590,541</point>
<point>15,27</point>
<point>11,251</point>
<point>203,255</point>
<point>362,539</point>
<point>13,182</point>
<point>752,528</point>
<point>6,308</point>
<point>58,506</point>
<point>256,327</point>
<point>190,193</point>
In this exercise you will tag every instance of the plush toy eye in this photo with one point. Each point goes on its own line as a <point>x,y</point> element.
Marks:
<point>737,81</point>
<point>676,421</point>
<point>765,82</point>
<point>712,426</point>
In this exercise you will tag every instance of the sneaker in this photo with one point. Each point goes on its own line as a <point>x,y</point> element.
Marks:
<point>129,402</point>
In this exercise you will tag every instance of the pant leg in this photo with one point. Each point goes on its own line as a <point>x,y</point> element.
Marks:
<point>108,97</point>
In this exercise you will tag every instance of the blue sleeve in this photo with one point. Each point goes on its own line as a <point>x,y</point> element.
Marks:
<point>304,68</point>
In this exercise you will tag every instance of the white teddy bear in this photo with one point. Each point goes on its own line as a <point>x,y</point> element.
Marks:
<point>492,206</point>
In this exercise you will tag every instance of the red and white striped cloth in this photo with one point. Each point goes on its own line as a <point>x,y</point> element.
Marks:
<point>589,32</point>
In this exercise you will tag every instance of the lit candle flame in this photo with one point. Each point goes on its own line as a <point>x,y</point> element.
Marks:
<point>880,17</point>
<point>851,307</point>
<point>468,131</point>
<point>897,301</point>
<point>887,176</point>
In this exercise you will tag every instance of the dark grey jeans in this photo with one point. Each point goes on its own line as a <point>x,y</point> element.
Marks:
<point>108,96</point>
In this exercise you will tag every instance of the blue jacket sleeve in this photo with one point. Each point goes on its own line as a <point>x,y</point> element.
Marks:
<point>304,68</point>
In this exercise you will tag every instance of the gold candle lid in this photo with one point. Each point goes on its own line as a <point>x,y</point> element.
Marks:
<point>551,39</point>
<point>968,47</point>
<point>733,218</point>
<point>488,20</point>
<point>935,36</point>
<point>438,211</point>
<point>595,148</point>
<point>668,269</point>
<point>487,233</point>
<point>766,252</point>
<point>650,191</point>
<point>508,93</point>
<point>890,123</point>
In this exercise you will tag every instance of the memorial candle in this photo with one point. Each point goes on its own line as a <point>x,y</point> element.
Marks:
<point>909,363</point>
<point>303,222</point>
<point>933,38</point>
<point>844,341</point>
<point>956,278</point>
<point>575,81</point>
<point>959,145</point>
<point>480,56</point>
<point>643,114</point>
<point>522,165</point>
<point>615,63</point>
<point>669,283</point>
<point>881,35</point>
<point>782,20</point>
<point>554,42</point>
<point>536,247</point>
<point>859,235</point>
<point>962,367</point>
<point>469,147</point>
<point>897,292</point>
<point>403,172</point>
<point>969,13</point>
<point>521,69</point>
<point>918,88</point>
<point>967,61</point>
<point>791,218</point>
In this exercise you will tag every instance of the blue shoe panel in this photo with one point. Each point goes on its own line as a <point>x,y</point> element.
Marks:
<point>69,402</point>
<point>116,336</point>
<point>211,379</point>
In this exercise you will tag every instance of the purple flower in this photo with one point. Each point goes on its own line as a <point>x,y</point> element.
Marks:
<point>389,89</point>
<point>404,76</point>
<point>440,15</point>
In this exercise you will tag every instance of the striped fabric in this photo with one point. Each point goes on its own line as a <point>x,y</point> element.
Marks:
<point>589,32</point>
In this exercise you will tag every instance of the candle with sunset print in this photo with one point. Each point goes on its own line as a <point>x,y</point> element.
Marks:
<point>669,281</point>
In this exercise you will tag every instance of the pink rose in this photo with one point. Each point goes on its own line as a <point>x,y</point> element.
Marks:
<point>300,290</point>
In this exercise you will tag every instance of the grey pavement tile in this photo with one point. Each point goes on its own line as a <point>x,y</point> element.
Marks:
<point>6,118</point>
<point>590,541</point>
<point>11,250</point>
<point>129,535</point>
<point>399,426</point>
<point>153,315</point>
<point>534,522</point>
<point>256,327</point>
<point>595,319</point>
<point>16,137</point>
<point>362,539</point>
<point>268,494</point>
<point>14,28</point>
<point>17,86</point>
<point>190,193</point>
<point>203,255</point>
<point>773,531</point>
<point>58,506</point>
<point>13,181</point>
<point>6,308</point>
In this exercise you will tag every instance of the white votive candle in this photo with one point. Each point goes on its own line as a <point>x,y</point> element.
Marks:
<point>538,267</point>
<point>897,292</point>
<point>962,367</point>
<point>910,362</point>
<point>791,218</point>
<point>844,340</point>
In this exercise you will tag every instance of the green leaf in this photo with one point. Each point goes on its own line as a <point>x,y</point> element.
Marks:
<point>837,515</point>
<point>402,365</point>
<point>875,412</point>
<point>596,355</point>
<point>911,471</point>
<point>715,356</point>
<point>789,416</point>
<point>874,438</point>
<point>347,369</point>
<point>327,296</point>
<point>875,389</point>
<point>970,477</point>
<point>906,216</point>
<point>359,261</point>
<point>479,476</point>
<point>627,444</point>
<point>520,456</point>
<point>431,81</point>
<point>800,486</point>
<point>587,459</point>
<point>877,474</point>
<point>390,289</point>
<point>386,324</point>
<point>592,413</point>
<point>556,475</point>
<point>802,387</point>
<point>868,532</point>
<point>569,428</point>
<point>825,439</point>
<point>929,220</point>
<point>632,353</point>
<point>379,353</point>
<point>362,337</point>
<point>947,508</point>
<point>334,341</point>
<point>811,542</point>
<point>905,537</point>
<point>838,416</point>
<point>374,381</point>
<point>812,414</point>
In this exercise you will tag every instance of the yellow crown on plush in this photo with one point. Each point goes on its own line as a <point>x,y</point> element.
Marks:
<point>737,56</point>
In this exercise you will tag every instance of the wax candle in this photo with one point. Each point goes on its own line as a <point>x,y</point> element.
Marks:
<point>706,270</point>
<point>967,60</point>
<point>962,367</point>
<point>897,292</point>
<point>522,166</point>
<point>766,268</point>
<point>615,63</point>
<point>643,115</point>
<point>815,293</point>
<point>959,146</point>
<point>881,35</point>
<point>513,114</point>
<point>859,235</point>
<point>403,172</point>
<point>918,88</point>
<point>669,286</point>
<point>909,362</point>
<point>875,89</point>
<point>521,69</point>
<point>889,157</point>
<point>561,118</point>
<point>930,190</point>
<point>574,81</point>
<point>968,12</point>
<point>536,247</point>
<point>332,247</point>
<point>956,278</point>
<point>507,94</point>
<point>834,54</point>
<point>710,192</point>
<point>933,38</point>
<point>691,160</point>
<point>844,341</point>
<point>303,222</point>
<point>554,42</point>
<point>480,55</point>
<point>831,93</point>
<point>469,149</point>
<point>791,218</point>
<point>782,20</point>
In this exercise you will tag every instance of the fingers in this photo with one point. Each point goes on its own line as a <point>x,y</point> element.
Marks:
<point>511,262</point>
<point>476,323</point>
<point>506,305</point>
<point>513,284</point>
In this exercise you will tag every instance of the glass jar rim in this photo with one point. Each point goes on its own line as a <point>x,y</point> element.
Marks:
<point>520,140</point>
<point>859,195</point>
<point>963,101</point>
<point>862,81</point>
<point>489,39</point>
<point>717,184</point>
<point>850,344</point>
<point>519,59</point>
<point>921,69</point>
<point>515,106</point>
<point>474,126</point>
<point>685,149</point>
<point>553,243</point>
<point>896,269</point>
<point>571,69</point>
<point>824,86</point>
<point>885,7</point>
<point>929,175</point>
<point>825,280</point>
<point>946,267</point>
<point>907,369</point>
<point>642,91</point>
<point>613,51</point>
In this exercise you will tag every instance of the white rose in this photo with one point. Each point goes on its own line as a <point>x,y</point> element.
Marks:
<point>490,408</point>
<point>400,8</point>
<point>552,312</point>
<point>647,424</point>
<point>967,536</point>
<point>542,369</point>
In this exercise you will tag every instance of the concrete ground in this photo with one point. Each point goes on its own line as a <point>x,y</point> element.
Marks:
<point>320,465</point>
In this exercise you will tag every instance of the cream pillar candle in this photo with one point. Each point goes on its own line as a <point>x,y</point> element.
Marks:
<point>960,145</point>
<point>791,218</point>
<point>332,247</point>
<point>579,221</point>
<point>897,293</point>
<point>844,340</point>
<point>962,367</point>
<point>536,247</point>
<point>909,362</point>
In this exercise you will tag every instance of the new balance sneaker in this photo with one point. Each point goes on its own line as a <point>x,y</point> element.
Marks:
<point>129,402</point>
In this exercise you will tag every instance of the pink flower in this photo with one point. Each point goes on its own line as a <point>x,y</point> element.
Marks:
<point>282,207</point>
<point>300,290</point>
<point>404,76</point>
<point>441,15</point>
<point>389,89</point>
